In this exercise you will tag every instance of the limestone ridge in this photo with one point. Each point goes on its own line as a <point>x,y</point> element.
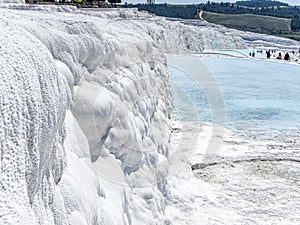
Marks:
<point>85,108</point>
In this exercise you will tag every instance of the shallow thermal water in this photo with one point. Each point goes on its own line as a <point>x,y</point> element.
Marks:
<point>247,181</point>
<point>260,97</point>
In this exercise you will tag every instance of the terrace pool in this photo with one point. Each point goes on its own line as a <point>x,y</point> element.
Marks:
<point>259,97</point>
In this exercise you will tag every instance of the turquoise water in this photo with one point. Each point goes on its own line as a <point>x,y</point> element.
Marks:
<point>260,97</point>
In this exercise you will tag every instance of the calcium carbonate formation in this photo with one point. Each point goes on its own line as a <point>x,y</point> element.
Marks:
<point>85,107</point>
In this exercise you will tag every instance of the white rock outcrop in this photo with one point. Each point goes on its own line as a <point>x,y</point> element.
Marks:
<point>85,106</point>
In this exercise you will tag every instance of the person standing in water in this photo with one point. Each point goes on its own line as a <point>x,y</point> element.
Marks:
<point>268,54</point>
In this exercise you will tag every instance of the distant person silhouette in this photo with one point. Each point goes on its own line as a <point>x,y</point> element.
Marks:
<point>253,54</point>
<point>279,56</point>
<point>287,56</point>
<point>268,54</point>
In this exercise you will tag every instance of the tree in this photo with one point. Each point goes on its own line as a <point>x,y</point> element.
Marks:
<point>295,25</point>
<point>114,1</point>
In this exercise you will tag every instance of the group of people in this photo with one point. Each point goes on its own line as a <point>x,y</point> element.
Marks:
<point>252,54</point>
<point>279,56</point>
<point>273,54</point>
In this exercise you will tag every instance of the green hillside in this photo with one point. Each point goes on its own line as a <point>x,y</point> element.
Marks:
<point>250,22</point>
